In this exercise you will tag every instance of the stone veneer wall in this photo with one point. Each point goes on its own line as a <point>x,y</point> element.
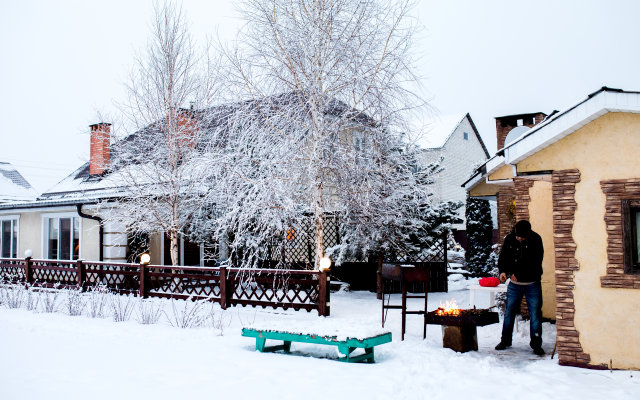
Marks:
<point>570,350</point>
<point>522,186</point>
<point>506,196</point>
<point>522,198</point>
<point>616,191</point>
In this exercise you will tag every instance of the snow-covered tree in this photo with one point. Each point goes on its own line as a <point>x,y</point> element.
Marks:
<point>169,91</point>
<point>328,87</point>
<point>479,236</point>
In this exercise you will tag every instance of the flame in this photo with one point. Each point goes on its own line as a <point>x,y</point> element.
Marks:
<point>449,308</point>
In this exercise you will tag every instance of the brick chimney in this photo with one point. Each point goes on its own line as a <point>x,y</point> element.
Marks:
<point>100,148</point>
<point>505,124</point>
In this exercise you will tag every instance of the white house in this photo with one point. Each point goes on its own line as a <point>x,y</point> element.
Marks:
<point>454,138</point>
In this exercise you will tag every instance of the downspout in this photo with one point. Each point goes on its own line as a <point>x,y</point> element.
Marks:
<point>101,229</point>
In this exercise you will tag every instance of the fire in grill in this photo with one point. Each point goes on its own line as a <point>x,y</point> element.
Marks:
<point>457,317</point>
<point>459,331</point>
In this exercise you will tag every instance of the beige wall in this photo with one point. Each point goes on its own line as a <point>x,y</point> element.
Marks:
<point>504,172</point>
<point>542,222</point>
<point>604,149</point>
<point>30,233</point>
<point>155,252</point>
<point>484,189</point>
<point>90,246</point>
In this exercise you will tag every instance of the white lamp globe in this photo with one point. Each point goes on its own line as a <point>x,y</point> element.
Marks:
<point>145,258</point>
<point>325,264</point>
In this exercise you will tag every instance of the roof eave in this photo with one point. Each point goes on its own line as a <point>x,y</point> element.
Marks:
<point>600,103</point>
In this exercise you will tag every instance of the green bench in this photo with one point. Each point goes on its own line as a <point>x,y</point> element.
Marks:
<point>346,346</point>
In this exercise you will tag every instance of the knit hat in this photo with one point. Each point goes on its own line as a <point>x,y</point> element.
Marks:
<point>522,228</point>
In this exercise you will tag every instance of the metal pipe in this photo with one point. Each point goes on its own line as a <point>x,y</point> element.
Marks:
<point>100,232</point>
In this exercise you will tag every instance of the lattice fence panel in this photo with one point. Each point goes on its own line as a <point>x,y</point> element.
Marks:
<point>117,277</point>
<point>276,290</point>
<point>54,272</point>
<point>12,271</point>
<point>178,283</point>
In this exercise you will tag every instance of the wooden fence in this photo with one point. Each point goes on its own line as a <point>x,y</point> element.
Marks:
<point>277,288</point>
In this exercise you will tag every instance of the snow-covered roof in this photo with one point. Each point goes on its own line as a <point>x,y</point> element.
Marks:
<point>13,186</point>
<point>438,130</point>
<point>560,125</point>
<point>557,126</point>
<point>83,186</point>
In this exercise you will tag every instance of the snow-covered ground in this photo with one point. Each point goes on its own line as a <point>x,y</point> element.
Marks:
<point>56,356</point>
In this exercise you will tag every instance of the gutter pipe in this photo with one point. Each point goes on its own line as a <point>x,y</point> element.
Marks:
<point>101,229</point>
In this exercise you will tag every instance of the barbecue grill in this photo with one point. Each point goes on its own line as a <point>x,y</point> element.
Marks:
<point>459,331</point>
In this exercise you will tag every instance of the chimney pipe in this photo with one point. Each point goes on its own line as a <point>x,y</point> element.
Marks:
<point>100,148</point>
<point>505,124</point>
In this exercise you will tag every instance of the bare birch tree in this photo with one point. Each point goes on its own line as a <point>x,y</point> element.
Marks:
<point>329,85</point>
<point>170,90</point>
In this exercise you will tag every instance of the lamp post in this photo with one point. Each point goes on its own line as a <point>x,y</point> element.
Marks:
<point>145,259</point>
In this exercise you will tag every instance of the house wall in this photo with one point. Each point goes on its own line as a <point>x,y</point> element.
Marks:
<point>542,223</point>
<point>31,235</point>
<point>155,249</point>
<point>605,318</point>
<point>460,156</point>
<point>90,241</point>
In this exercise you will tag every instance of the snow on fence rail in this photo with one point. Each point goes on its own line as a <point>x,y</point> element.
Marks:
<point>277,288</point>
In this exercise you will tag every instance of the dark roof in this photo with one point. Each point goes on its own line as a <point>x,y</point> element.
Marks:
<point>475,130</point>
<point>14,176</point>
<point>520,115</point>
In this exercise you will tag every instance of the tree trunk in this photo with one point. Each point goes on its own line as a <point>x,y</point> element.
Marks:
<point>176,285</point>
<point>379,281</point>
<point>319,222</point>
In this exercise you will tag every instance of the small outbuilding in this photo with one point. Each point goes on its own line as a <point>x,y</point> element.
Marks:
<point>574,174</point>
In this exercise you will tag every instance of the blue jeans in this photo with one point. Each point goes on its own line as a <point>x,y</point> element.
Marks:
<point>533,294</point>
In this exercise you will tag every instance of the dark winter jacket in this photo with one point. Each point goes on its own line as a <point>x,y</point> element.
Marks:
<point>522,259</point>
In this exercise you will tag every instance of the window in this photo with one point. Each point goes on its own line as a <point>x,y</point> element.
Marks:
<point>631,223</point>
<point>9,237</point>
<point>189,253</point>
<point>466,135</point>
<point>62,240</point>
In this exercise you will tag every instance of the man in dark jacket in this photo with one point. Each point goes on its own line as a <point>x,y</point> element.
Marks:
<point>521,261</point>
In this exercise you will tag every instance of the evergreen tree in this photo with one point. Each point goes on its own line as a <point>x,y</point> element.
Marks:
<point>479,234</point>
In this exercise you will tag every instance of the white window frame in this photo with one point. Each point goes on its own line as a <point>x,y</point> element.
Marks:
<point>45,232</point>
<point>16,219</point>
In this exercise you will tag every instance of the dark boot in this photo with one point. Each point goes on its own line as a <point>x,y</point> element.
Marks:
<point>502,346</point>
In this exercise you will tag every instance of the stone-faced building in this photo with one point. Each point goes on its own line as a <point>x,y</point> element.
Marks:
<point>575,176</point>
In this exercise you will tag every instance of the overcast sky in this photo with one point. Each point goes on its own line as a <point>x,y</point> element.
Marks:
<point>63,61</point>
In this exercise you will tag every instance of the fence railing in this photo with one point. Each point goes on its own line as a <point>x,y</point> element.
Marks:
<point>277,288</point>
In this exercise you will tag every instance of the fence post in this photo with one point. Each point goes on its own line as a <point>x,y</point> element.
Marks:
<point>324,309</point>
<point>80,274</point>
<point>143,281</point>
<point>223,287</point>
<point>446,264</point>
<point>28,271</point>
